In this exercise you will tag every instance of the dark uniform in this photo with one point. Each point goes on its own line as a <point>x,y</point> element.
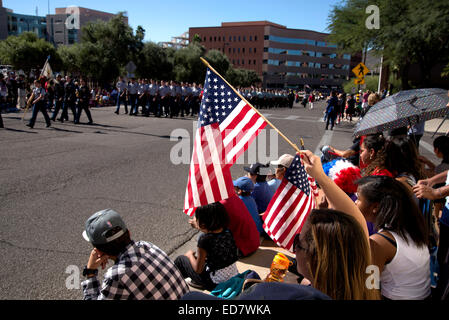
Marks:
<point>59,98</point>
<point>41,105</point>
<point>83,103</point>
<point>69,101</point>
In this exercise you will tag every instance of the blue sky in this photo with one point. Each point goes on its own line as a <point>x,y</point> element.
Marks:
<point>165,19</point>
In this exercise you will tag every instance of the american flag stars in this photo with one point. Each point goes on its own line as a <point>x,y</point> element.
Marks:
<point>218,101</point>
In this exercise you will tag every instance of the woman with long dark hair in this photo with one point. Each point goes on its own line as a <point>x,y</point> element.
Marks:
<point>400,247</point>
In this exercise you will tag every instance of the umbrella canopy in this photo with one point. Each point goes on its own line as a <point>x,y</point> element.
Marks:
<point>402,109</point>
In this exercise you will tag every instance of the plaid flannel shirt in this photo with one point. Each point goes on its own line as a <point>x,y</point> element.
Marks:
<point>143,271</point>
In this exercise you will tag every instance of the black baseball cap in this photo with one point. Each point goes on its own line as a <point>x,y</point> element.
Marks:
<point>255,169</point>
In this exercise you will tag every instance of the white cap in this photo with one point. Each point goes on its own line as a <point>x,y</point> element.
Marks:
<point>284,160</point>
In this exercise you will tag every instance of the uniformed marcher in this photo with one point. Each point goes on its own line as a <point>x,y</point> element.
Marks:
<point>152,98</point>
<point>38,99</point>
<point>142,96</point>
<point>133,88</point>
<point>122,89</point>
<point>196,91</point>
<point>164,92</point>
<point>59,96</point>
<point>69,99</point>
<point>83,102</point>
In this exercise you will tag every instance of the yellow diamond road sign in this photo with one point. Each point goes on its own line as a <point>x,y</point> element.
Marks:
<point>359,81</point>
<point>360,70</point>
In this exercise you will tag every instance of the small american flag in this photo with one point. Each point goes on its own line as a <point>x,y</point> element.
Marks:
<point>226,127</point>
<point>290,205</point>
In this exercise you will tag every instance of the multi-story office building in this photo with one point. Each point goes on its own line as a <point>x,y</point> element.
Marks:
<point>13,24</point>
<point>63,30</point>
<point>283,57</point>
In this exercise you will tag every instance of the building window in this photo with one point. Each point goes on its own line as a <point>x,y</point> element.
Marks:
<point>210,39</point>
<point>244,38</point>
<point>219,39</point>
<point>254,50</point>
<point>239,38</point>
<point>243,50</point>
<point>249,61</point>
<point>265,61</point>
<point>235,38</point>
<point>215,39</point>
<point>229,50</point>
<point>250,38</point>
<point>243,62</point>
<point>254,62</point>
<point>255,38</point>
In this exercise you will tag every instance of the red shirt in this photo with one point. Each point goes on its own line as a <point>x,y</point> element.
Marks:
<point>242,225</point>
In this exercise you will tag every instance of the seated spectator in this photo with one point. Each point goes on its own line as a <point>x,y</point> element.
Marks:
<point>215,259</point>
<point>401,159</point>
<point>332,250</point>
<point>242,226</point>
<point>352,153</point>
<point>441,149</point>
<point>400,247</point>
<point>282,164</point>
<point>141,270</point>
<point>372,157</point>
<point>262,193</point>
<point>243,187</point>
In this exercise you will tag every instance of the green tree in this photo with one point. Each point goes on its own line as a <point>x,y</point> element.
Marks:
<point>27,52</point>
<point>187,64</point>
<point>242,77</point>
<point>155,62</point>
<point>411,32</point>
<point>107,47</point>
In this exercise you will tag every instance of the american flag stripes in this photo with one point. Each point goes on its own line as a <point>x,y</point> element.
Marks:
<point>290,205</point>
<point>227,125</point>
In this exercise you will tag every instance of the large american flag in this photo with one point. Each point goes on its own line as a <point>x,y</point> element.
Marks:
<point>290,205</point>
<point>226,127</point>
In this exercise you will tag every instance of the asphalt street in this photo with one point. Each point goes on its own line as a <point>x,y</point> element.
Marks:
<point>52,180</point>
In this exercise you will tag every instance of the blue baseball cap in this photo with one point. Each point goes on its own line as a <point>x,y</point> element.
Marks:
<point>244,184</point>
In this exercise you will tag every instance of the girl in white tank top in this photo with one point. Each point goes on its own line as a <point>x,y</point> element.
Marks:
<point>407,276</point>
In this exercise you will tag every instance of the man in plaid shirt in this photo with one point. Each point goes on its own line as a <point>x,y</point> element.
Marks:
<point>141,269</point>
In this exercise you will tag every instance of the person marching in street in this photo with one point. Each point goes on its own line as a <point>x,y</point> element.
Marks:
<point>38,99</point>
<point>178,100</point>
<point>172,100</point>
<point>83,102</point>
<point>196,91</point>
<point>142,96</point>
<point>152,98</point>
<point>59,96</point>
<point>185,94</point>
<point>164,92</point>
<point>69,100</point>
<point>122,89</point>
<point>133,88</point>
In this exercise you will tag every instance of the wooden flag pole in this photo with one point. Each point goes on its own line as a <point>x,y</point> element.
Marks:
<point>243,98</point>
